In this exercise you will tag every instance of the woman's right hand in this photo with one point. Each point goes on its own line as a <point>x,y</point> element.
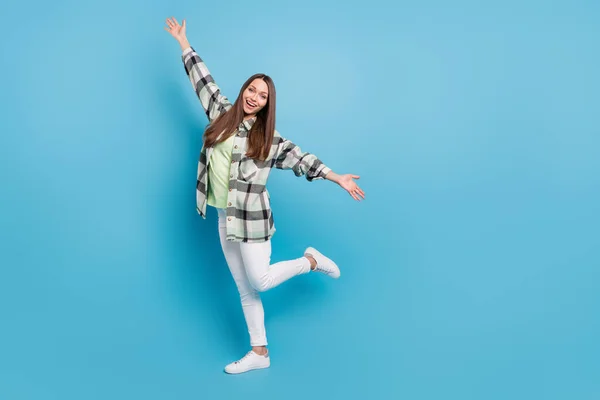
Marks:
<point>176,30</point>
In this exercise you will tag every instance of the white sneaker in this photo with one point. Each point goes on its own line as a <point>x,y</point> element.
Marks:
<point>249,362</point>
<point>324,264</point>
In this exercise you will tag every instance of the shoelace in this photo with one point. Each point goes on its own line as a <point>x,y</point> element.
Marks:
<point>243,358</point>
<point>321,269</point>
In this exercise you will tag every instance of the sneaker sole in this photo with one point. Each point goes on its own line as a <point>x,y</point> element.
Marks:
<point>248,370</point>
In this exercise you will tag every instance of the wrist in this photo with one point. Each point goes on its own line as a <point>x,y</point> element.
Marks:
<point>333,177</point>
<point>184,43</point>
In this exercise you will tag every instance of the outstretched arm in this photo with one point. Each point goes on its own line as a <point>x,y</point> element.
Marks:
<point>291,156</point>
<point>209,94</point>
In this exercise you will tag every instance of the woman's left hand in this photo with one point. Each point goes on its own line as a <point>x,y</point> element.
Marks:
<point>346,181</point>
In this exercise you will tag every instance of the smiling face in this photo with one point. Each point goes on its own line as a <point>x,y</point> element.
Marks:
<point>255,97</point>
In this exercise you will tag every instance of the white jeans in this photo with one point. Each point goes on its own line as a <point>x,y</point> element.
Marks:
<point>252,271</point>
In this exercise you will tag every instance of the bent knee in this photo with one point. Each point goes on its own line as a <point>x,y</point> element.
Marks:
<point>260,284</point>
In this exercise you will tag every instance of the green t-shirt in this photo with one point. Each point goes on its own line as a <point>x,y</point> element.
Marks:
<point>218,173</point>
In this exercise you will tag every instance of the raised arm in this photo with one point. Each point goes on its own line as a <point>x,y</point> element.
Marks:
<point>213,102</point>
<point>209,94</point>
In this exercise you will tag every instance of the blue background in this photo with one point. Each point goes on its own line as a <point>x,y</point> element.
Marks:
<point>469,272</point>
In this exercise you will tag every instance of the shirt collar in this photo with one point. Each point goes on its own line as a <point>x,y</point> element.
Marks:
<point>248,123</point>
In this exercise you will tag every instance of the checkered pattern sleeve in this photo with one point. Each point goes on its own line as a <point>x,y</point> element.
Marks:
<point>291,156</point>
<point>213,102</point>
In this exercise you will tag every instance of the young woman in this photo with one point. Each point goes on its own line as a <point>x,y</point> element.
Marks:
<point>240,147</point>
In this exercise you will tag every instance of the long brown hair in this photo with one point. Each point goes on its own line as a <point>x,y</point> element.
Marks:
<point>260,137</point>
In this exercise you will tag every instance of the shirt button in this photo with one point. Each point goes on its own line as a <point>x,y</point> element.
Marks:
<point>235,147</point>
<point>229,204</point>
<point>229,219</point>
<point>230,190</point>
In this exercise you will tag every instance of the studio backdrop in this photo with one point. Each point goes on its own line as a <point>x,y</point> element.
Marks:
<point>470,271</point>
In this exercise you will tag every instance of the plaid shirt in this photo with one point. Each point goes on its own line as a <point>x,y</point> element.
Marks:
<point>249,215</point>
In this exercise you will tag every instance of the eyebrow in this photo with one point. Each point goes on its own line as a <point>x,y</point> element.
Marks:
<point>254,87</point>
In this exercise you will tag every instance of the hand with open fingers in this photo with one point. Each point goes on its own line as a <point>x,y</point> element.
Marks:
<point>346,181</point>
<point>176,30</point>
